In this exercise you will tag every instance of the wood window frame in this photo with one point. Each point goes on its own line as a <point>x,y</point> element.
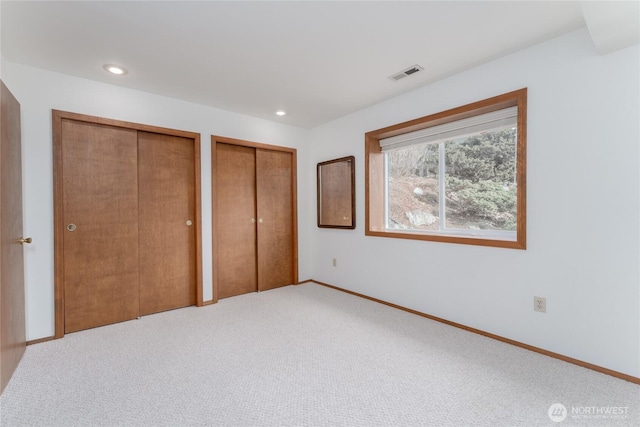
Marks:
<point>375,170</point>
<point>58,210</point>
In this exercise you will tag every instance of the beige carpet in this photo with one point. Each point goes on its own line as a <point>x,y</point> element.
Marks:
<point>301,355</point>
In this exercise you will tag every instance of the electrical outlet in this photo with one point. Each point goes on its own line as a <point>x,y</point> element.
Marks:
<point>335,262</point>
<point>540,304</point>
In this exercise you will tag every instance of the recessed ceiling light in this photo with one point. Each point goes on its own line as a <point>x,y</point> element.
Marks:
<point>281,113</point>
<point>115,69</point>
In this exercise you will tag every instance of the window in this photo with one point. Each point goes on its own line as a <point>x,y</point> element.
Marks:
<point>456,176</point>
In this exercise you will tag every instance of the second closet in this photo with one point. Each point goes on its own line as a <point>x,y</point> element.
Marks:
<point>254,212</point>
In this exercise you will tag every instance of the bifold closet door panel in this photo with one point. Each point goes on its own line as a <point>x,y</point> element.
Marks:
<point>166,183</point>
<point>100,204</point>
<point>235,206</point>
<point>275,218</point>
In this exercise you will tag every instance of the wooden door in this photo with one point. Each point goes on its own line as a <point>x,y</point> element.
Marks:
<point>235,207</point>
<point>100,239</point>
<point>166,222</point>
<point>275,218</point>
<point>12,303</point>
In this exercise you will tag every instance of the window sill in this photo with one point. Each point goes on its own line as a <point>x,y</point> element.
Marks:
<point>448,238</point>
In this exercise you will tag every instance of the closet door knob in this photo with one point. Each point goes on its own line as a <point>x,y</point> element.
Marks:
<point>71,227</point>
<point>260,221</point>
<point>253,220</point>
<point>189,223</point>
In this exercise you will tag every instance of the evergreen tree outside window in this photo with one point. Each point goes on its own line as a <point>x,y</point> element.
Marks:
<point>456,176</point>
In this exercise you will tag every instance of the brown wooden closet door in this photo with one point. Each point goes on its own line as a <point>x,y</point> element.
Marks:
<point>166,182</point>
<point>235,180</point>
<point>100,205</point>
<point>275,218</point>
<point>12,305</point>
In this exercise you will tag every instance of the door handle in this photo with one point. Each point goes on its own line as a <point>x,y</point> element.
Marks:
<point>23,240</point>
<point>260,221</point>
<point>71,227</point>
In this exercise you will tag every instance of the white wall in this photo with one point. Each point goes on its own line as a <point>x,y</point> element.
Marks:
<point>40,91</point>
<point>582,218</point>
<point>1,60</point>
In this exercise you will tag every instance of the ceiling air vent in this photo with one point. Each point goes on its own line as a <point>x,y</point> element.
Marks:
<point>404,73</point>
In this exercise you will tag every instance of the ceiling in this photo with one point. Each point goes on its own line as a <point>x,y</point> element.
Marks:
<point>317,60</point>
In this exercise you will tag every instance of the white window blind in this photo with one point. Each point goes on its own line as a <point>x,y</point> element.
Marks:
<point>495,120</point>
